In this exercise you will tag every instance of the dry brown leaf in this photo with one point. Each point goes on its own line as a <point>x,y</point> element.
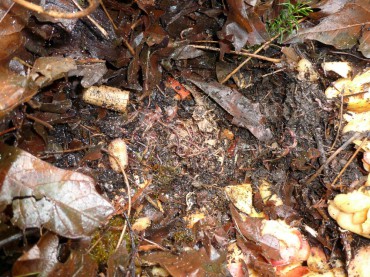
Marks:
<point>343,29</point>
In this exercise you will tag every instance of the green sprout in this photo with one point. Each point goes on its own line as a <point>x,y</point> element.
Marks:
<point>287,21</point>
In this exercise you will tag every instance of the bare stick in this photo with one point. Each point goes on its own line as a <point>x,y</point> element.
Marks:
<point>348,142</point>
<point>349,161</point>
<point>93,4</point>
<point>38,120</point>
<point>248,59</point>
<point>255,52</point>
<point>93,21</point>
<point>237,53</point>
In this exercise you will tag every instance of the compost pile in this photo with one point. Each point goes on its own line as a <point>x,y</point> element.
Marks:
<point>184,138</point>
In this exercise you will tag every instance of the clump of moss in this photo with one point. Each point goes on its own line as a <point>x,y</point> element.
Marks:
<point>106,241</point>
<point>183,236</point>
<point>165,174</point>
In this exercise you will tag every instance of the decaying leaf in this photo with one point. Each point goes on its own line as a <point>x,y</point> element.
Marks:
<point>190,263</point>
<point>65,202</point>
<point>244,24</point>
<point>241,196</point>
<point>42,259</point>
<point>343,29</point>
<point>48,69</point>
<point>14,90</point>
<point>245,113</point>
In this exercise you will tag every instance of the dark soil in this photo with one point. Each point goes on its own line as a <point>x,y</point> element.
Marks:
<point>187,168</point>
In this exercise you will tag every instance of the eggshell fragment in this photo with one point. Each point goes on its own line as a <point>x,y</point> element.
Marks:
<point>118,158</point>
<point>107,97</point>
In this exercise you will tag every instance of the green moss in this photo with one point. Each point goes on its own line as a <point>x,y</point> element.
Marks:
<point>106,240</point>
<point>165,174</point>
<point>183,236</point>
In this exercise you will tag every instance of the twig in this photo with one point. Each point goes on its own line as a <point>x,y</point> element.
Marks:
<point>237,53</point>
<point>347,164</point>
<point>93,4</point>
<point>133,246</point>
<point>340,123</point>
<point>274,72</point>
<point>108,15</point>
<point>8,130</point>
<point>255,52</point>
<point>248,59</point>
<point>45,124</point>
<point>348,142</point>
<point>93,21</point>
<point>129,202</point>
<point>69,150</point>
<point>7,11</point>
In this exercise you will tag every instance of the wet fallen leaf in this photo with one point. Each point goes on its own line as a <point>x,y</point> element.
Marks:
<point>245,113</point>
<point>65,202</point>
<point>14,90</point>
<point>190,263</point>
<point>343,29</point>
<point>43,259</point>
<point>244,24</point>
<point>48,69</point>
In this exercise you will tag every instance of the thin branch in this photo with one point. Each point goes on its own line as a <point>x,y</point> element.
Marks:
<point>347,164</point>
<point>93,4</point>
<point>248,59</point>
<point>348,142</point>
<point>265,45</point>
<point>237,53</point>
<point>93,21</point>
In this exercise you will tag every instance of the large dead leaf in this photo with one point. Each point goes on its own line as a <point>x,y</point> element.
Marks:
<point>192,263</point>
<point>48,69</point>
<point>14,90</point>
<point>43,260</point>
<point>342,29</point>
<point>244,24</point>
<point>13,18</point>
<point>65,202</point>
<point>245,113</point>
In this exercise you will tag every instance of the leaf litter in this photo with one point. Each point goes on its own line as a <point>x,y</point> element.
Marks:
<point>216,176</point>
